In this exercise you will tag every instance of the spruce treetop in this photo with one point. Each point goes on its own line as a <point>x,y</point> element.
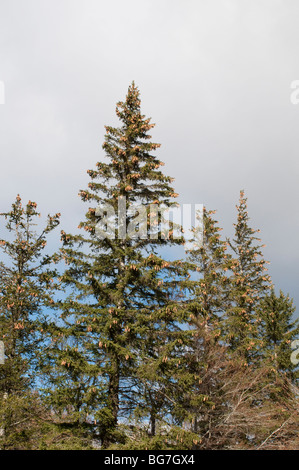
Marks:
<point>249,284</point>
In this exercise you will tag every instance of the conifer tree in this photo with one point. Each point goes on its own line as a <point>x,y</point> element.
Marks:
<point>278,329</point>
<point>193,390</point>
<point>187,378</point>
<point>208,259</point>
<point>122,288</point>
<point>27,286</point>
<point>249,283</point>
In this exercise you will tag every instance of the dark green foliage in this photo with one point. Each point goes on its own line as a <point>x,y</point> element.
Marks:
<point>278,330</point>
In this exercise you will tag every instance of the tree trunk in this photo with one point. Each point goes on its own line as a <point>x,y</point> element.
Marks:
<point>153,424</point>
<point>113,403</point>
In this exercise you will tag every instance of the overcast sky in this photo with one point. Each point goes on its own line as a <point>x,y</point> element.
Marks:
<point>214,75</point>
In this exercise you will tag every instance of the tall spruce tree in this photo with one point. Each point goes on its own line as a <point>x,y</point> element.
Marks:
<point>278,329</point>
<point>122,288</point>
<point>249,283</point>
<point>27,286</point>
<point>208,260</point>
<point>193,389</point>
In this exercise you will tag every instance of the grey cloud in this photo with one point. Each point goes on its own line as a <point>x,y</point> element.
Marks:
<point>214,75</point>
